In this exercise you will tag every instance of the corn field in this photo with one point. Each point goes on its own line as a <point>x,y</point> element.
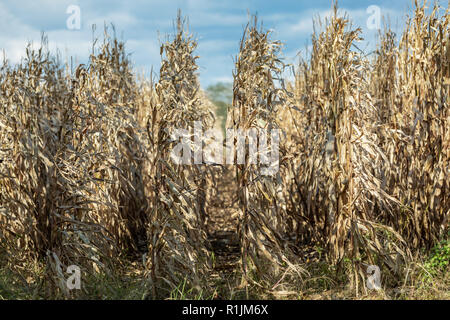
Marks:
<point>87,179</point>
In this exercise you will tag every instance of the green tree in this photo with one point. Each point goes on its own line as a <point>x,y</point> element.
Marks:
<point>221,94</point>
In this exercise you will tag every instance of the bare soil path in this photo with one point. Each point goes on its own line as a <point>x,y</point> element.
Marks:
<point>223,212</point>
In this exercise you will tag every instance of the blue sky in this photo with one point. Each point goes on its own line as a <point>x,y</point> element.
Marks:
<point>217,25</point>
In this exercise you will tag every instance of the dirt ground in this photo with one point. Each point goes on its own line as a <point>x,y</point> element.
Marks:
<point>223,213</point>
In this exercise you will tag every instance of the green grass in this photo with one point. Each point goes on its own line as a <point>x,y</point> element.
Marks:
<point>439,258</point>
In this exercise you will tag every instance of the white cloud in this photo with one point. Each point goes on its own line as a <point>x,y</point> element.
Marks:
<point>222,79</point>
<point>121,20</point>
<point>217,25</point>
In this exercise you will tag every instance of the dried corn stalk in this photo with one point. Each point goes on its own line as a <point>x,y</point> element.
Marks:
<point>176,231</point>
<point>255,102</point>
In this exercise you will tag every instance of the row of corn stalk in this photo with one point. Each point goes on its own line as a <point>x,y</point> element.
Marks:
<point>256,100</point>
<point>86,177</point>
<point>364,162</point>
<point>368,139</point>
<point>177,231</point>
